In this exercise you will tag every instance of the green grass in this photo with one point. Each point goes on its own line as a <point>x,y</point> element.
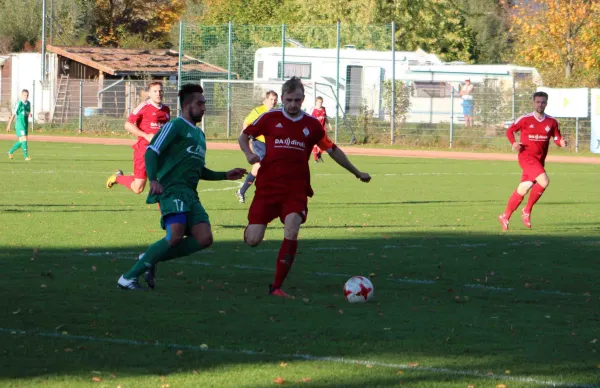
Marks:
<point>65,240</point>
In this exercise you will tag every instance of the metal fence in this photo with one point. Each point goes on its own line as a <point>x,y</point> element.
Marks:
<point>366,100</point>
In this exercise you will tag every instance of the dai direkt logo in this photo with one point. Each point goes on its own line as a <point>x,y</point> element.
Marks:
<point>289,143</point>
<point>538,137</point>
<point>156,125</point>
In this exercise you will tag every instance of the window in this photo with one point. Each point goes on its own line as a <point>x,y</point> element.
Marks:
<point>260,66</point>
<point>431,89</point>
<point>301,70</point>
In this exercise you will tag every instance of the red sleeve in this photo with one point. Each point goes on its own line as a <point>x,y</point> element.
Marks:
<point>258,127</point>
<point>510,133</point>
<point>556,134</point>
<point>136,116</point>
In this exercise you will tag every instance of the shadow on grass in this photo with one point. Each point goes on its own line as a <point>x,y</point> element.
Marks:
<point>75,320</point>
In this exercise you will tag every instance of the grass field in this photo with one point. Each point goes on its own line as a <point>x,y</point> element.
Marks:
<point>458,303</point>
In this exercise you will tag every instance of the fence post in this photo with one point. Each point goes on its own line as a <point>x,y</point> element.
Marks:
<point>393,130</point>
<point>32,106</point>
<point>283,38</point>
<point>179,64</point>
<point>80,106</point>
<point>337,82</point>
<point>451,116</point>
<point>514,100</point>
<point>229,61</point>
<point>577,134</point>
<point>128,98</point>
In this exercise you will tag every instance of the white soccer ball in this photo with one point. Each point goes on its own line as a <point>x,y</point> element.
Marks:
<point>358,289</point>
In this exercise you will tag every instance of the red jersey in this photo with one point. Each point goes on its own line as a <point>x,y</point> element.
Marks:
<point>149,119</point>
<point>289,142</point>
<point>321,115</point>
<point>535,135</point>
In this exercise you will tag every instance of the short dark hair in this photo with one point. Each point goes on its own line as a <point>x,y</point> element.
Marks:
<point>540,94</point>
<point>186,91</point>
<point>154,83</point>
<point>271,93</point>
<point>25,90</point>
<point>291,85</point>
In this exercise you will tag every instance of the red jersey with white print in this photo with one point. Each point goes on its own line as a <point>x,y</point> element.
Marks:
<point>149,119</point>
<point>289,142</point>
<point>321,115</point>
<point>535,135</point>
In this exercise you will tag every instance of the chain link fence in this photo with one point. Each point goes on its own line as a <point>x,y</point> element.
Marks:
<point>354,68</point>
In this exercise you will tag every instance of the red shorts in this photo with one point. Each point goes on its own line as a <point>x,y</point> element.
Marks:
<point>532,168</point>
<point>265,209</point>
<point>139,164</point>
<point>316,149</point>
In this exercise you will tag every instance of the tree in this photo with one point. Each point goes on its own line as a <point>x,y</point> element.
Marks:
<point>489,20</point>
<point>24,25</point>
<point>151,20</point>
<point>436,26</point>
<point>555,35</point>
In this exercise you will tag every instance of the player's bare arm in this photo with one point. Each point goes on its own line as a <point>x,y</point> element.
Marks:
<point>10,120</point>
<point>340,158</point>
<point>516,146</point>
<point>244,142</point>
<point>136,131</point>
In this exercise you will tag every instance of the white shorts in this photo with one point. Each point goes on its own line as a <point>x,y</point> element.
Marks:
<point>260,148</point>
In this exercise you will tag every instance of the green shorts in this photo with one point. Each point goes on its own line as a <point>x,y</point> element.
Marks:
<point>21,132</point>
<point>182,202</point>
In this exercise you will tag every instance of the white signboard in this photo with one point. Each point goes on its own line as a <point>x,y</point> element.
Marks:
<point>567,102</point>
<point>595,116</point>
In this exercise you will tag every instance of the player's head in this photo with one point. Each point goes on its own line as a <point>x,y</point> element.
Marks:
<point>270,99</point>
<point>292,96</point>
<point>540,101</point>
<point>468,81</point>
<point>319,102</point>
<point>24,94</point>
<point>192,102</point>
<point>155,92</point>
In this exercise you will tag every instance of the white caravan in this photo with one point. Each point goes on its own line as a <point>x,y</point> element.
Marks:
<point>363,73</point>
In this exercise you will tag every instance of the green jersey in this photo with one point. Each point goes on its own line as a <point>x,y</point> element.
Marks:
<point>181,149</point>
<point>21,112</point>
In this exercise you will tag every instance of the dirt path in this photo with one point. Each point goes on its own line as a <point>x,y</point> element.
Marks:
<point>348,150</point>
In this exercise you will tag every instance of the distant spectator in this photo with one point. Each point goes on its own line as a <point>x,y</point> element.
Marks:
<point>467,98</point>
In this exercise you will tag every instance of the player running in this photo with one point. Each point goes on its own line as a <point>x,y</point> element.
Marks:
<point>536,130</point>
<point>144,122</point>
<point>21,114</point>
<point>258,144</point>
<point>283,188</point>
<point>320,114</point>
<point>175,162</point>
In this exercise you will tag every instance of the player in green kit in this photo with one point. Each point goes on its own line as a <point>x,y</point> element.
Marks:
<point>21,114</point>
<point>175,162</point>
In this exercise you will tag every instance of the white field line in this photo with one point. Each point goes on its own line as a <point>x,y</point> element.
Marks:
<point>307,357</point>
<point>134,255</point>
<point>85,192</point>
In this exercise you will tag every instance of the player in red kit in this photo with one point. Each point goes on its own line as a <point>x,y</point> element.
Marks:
<point>283,186</point>
<point>320,114</point>
<point>537,129</point>
<point>144,122</point>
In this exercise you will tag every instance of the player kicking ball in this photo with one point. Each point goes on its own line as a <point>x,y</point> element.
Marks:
<point>536,129</point>
<point>175,162</point>
<point>283,186</point>
<point>144,122</point>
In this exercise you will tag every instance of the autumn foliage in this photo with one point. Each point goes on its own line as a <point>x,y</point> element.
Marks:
<point>558,37</point>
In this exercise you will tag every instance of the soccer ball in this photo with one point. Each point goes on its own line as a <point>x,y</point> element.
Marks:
<point>358,289</point>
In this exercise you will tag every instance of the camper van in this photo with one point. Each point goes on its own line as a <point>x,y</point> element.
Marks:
<point>433,84</point>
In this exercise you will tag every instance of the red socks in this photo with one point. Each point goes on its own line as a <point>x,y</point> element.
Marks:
<point>125,180</point>
<point>285,259</point>
<point>513,203</point>
<point>534,195</point>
